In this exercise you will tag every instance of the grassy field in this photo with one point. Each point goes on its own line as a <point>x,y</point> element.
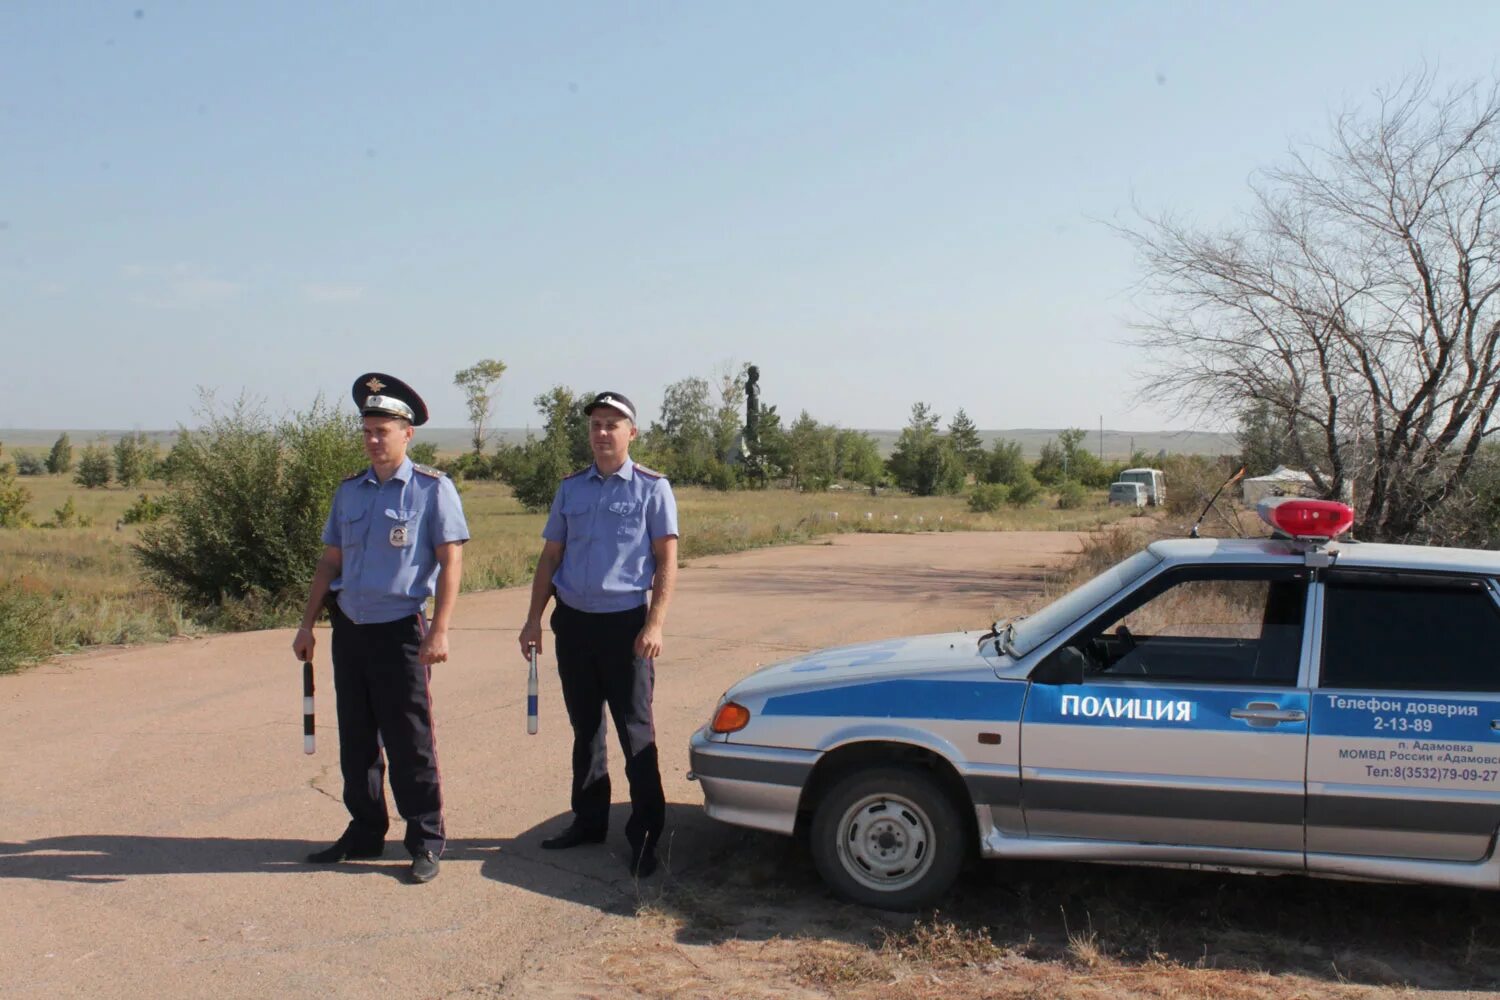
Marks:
<point>81,586</point>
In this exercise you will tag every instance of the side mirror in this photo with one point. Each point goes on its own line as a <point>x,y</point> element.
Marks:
<point>1063,666</point>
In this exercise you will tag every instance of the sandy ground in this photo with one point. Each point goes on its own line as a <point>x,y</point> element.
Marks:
<point>155,803</point>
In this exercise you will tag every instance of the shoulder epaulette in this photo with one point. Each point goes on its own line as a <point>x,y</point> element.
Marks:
<point>649,473</point>
<point>580,472</point>
<point>356,475</point>
<point>428,470</point>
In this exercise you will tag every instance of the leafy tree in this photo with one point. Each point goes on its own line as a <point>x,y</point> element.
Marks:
<point>775,446</point>
<point>684,437</point>
<point>1005,463</point>
<point>423,452</point>
<point>135,459</point>
<point>535,467</point>
<point>60,458</point>
<point>963,438</point>
<point>922,460</point>
<point>1024,489</point>
<point>729,418</point>
<point>857,457</point>
<point>13,498</point>
<point>1359,297</point>
<point>477,382</point>
<point>93,467</point>
<point>565,423</point>
<point>1267,439</point>
<point>813,453</point>
<point>1065,458</point>
<point>168,468</point>
<point>245,511</point>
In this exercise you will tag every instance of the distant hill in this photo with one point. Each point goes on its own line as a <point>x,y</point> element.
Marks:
<point>1116,444</point>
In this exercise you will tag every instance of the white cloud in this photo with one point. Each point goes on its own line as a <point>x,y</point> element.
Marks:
<point>178,286</point>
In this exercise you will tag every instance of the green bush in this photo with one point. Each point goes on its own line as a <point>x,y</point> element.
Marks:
<point>13,500</point>
<point>67,516</point>
<point>145,510</point>
<point>245,510</point>
<point>25,626</point>
<point>94,469</point>
<point>1024,489</point>
<point>533,470</point>
<point>135,459</point>
<point>30,464</point>
<point>60,458</point>
<point>1071,495</point>
<point>989,497</point>
<point>723,476</point>
<point>422,453</point>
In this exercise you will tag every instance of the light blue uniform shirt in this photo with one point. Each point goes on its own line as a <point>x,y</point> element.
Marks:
<point>388,533</point>
<point>607,525</point>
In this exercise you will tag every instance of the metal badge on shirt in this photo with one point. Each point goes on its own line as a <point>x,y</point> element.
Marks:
<point>401,534</point>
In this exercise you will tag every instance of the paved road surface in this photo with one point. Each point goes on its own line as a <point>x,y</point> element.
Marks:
<point>154,802</point>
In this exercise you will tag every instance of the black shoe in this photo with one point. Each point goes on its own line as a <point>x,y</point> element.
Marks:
<point>643,865</point>
<point>345,849</point>
<point>572,837</point>
<point>424,867</point>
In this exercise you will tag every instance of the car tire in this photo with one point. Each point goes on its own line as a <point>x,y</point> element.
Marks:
<point>889,838</point>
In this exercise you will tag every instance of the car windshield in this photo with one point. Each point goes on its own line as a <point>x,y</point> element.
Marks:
<point>1031,632</point>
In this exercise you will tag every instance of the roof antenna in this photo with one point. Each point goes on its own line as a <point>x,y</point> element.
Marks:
<point>1232,479</point>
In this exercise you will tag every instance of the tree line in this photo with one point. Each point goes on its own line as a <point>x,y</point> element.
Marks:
<point>697,440</point>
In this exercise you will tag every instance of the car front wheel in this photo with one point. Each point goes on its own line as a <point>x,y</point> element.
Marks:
<point>889,838</point>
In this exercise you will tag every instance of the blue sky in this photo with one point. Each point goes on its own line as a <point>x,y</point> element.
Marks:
<point>877,203</point>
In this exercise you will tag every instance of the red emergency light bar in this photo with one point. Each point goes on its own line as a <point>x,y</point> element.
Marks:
<point>1306,518</point>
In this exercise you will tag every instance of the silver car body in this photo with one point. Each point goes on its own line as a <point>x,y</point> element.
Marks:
<point>1290,775</point>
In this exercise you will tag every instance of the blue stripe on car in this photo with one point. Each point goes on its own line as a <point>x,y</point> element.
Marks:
<point>907,699</point>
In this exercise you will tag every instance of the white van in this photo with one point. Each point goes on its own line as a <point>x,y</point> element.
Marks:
<point>1151,480</point>
<point>1129,494</point>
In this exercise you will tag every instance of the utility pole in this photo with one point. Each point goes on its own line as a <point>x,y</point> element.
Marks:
<point>1101,438</point>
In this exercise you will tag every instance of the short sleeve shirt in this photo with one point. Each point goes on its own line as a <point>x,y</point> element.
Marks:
<point>606,525</point>
<point>388,534</point>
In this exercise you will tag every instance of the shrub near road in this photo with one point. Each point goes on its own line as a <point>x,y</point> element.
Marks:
<point>245,511</point>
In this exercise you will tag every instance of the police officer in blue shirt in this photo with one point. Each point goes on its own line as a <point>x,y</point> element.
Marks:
<point>610,541</point>
<point>394,536</point>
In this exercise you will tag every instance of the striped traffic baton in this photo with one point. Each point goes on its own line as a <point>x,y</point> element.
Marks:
<point>309,725</point>
<point>531,694</point>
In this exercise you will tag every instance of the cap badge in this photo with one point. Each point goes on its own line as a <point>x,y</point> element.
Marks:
<point>374,385</point>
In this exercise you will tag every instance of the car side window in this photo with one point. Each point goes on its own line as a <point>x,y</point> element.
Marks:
<point>1230,625</point>
<point>1408,633</point>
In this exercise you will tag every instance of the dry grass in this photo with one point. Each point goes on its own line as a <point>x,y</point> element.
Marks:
<point>751,919</point>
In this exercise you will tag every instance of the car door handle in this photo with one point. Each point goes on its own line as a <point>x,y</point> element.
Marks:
<point>1267,714</point>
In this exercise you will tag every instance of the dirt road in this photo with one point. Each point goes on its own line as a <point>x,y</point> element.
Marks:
<point>155,803</point>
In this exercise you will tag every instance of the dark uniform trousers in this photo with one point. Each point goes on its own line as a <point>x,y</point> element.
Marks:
<point>597,664</point>
<point>382,693</point>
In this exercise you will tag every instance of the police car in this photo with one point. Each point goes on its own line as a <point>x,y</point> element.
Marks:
<point>1286,704</point>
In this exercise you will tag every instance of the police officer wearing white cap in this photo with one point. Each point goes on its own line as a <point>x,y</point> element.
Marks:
<point>394,537</point>
<point>610,556</point>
